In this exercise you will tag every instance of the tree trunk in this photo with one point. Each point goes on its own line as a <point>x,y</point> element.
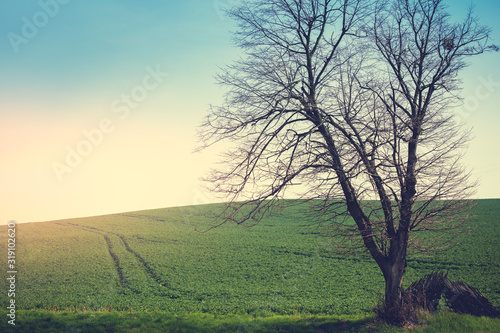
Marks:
<point>394,269</point>
<point>394,284</point>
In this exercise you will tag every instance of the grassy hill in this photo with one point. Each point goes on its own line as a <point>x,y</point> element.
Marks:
<point>155,260</point>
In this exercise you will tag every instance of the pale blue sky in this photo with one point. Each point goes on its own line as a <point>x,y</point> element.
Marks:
<point>86,55</point>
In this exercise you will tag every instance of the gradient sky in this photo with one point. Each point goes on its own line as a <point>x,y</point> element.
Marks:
<point>72,74</point>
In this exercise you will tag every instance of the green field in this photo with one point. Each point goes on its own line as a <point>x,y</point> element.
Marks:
<point>155,261</point>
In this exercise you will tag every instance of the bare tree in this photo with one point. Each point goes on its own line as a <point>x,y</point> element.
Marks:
<point>351,99</point>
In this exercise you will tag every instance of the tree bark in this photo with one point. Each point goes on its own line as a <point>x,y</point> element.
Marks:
<point>394,270</point>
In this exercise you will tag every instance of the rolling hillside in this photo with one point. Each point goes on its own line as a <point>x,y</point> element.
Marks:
<point>155,260</point>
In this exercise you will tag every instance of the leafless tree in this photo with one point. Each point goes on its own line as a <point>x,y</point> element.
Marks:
<point>349,101</point>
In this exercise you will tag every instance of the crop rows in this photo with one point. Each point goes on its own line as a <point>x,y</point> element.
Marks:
<point>155,260</point>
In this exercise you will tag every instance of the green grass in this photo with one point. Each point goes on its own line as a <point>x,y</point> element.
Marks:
<point>120,321</point>
<point>154,262</point>
<point>47,321</point>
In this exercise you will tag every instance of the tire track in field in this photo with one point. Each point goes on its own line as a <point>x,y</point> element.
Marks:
<point>149,217</point>
<point>145,264</point>
<point>92,229</point>
<point>147,268</point>
<point>119,269</point>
